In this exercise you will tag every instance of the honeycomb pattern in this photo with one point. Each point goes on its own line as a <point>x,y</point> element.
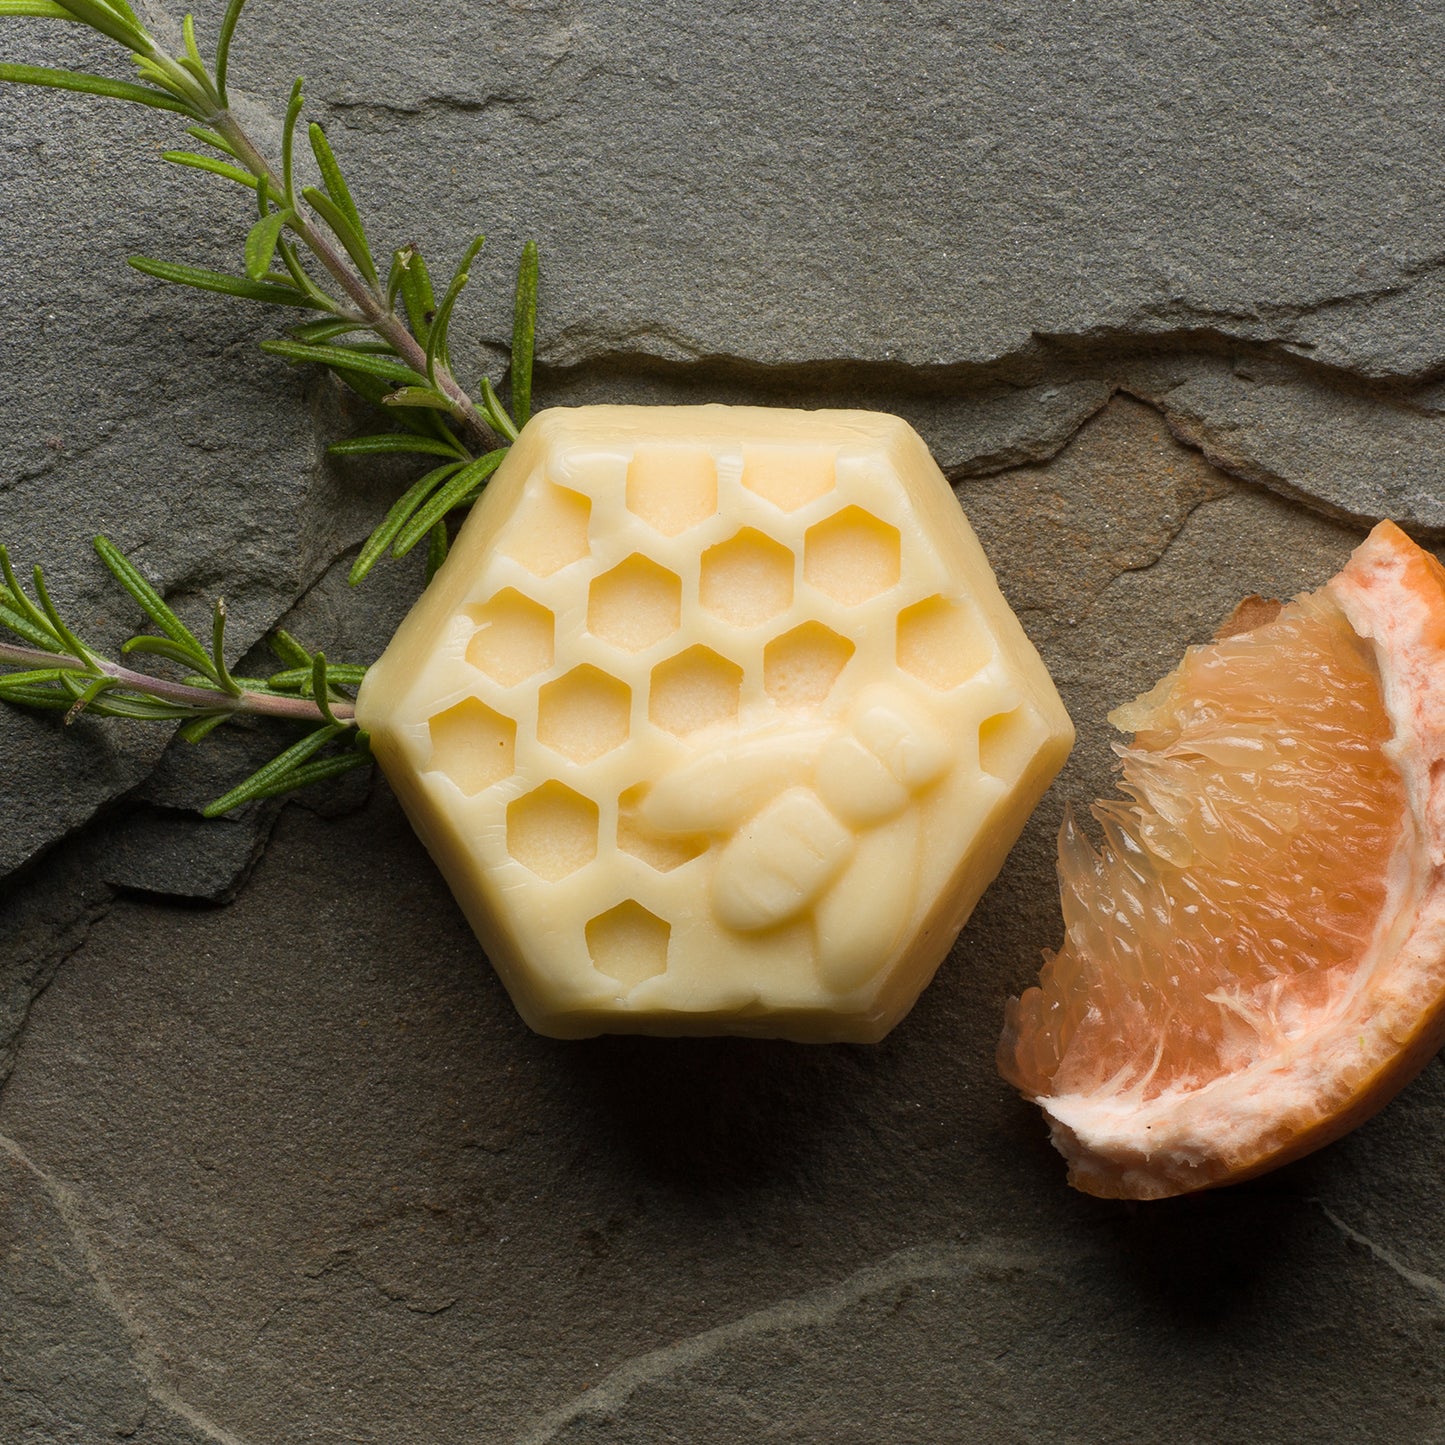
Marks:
<point>746,580</point>
<point>584,715</point>
<point>701,698</point>
<point>552,831</point>
<point>474,746</point>
<point>628,943</point>
<point>801,666</point>
<point>693,691</point>
<point>636,604</point>
<point>853,556</point>
<point>940,642</point>
<point>672,488</point>
<point>514,638</point>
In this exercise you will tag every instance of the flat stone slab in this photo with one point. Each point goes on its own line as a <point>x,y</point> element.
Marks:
<point>1162,292</point>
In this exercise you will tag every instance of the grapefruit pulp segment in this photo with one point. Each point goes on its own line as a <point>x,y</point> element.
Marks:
<point>1255,957</point>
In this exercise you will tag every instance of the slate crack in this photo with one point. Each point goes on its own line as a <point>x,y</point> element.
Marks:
<point>466,105</point>
<point>68,1208</point>
<point>809,1311</point>
<point>1426,1284</point>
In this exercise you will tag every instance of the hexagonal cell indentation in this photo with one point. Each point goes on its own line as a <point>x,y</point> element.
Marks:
<point>789,478</point>
<point>584,714</point>
<point>672,488</point>
<point>550,531</point>
<point>747,579</point>
<point>662,851</point>
<point>634,605</point>
<point>629,943</point>
<point>801,666</point>
<point>552,831</point>
<point>513,639</point>
<point>1006,744</point>
<point>942,643</point>
<point>852,556</point>
<point>474,746</point>
<point>694,690</point>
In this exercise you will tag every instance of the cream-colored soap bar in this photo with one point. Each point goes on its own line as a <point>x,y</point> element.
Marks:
<point>716,721</point>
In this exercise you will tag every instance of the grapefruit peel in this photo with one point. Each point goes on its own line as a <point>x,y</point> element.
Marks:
<point>1376,1034</point>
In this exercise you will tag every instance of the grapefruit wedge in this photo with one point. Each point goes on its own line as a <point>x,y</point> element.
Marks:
<point>1254,959</point>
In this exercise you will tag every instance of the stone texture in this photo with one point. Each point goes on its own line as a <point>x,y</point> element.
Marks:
<point>1160,289</point>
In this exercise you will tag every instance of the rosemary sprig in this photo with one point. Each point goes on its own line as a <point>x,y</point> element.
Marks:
<point>397,355</point>
<point>61,672</point>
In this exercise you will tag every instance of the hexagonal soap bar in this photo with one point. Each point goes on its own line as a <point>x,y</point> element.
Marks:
<point>716,721</point>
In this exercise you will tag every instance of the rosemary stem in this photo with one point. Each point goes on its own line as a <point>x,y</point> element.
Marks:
<point>204,699</point>
<point>379,316</point>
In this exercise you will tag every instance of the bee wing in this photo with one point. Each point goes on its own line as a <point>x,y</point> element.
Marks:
<point>859,920</point>
<point>720,790</point>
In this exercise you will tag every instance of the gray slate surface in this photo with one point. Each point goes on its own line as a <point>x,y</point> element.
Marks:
<point>277,1163</point>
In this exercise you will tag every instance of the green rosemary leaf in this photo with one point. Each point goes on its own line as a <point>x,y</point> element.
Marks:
<point>45,9</point>
<point>261,243</point>
<point>319,299</point>
<point>276,292</point>
<point>423,396</point>
<point>299,679</point>
<point>401,511</point>
<point>186,656</point>
<point>209,163</point>
<point>436,342</point>
<point>139,708</point>
<point>374,348</point>
<point>524,334</point>
<point>302,777</point>
<point>288,142</point>
<point>87,695</point>
<point>316,332</point>
<point>18,687</point>
<point>213,139</point>
<point>223,45</point>
<point>342,357</point>
<point>153,605</point>
<point>321,687</point>
<point>163,78</point>
<point>393,442</point>
<point>437,546</point>
<point>346,233</point>
<point>262,783</point>
<point>20,601</point>
<point>373,389</point>
<point>416,292</point>
<point>121,26</point>
<point>200,727</point>
<point>288,650</point>
<point>222,673</point>
<point>445,499</point>
<point>34,676</point>
<point>72,643</point>
<point>197,71</point>
<point>496,413</point>
<point>188,35</point>
<point>340,193</point>
<point>23,626</point>
<point>92,85</point>
<point>393,279</point>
